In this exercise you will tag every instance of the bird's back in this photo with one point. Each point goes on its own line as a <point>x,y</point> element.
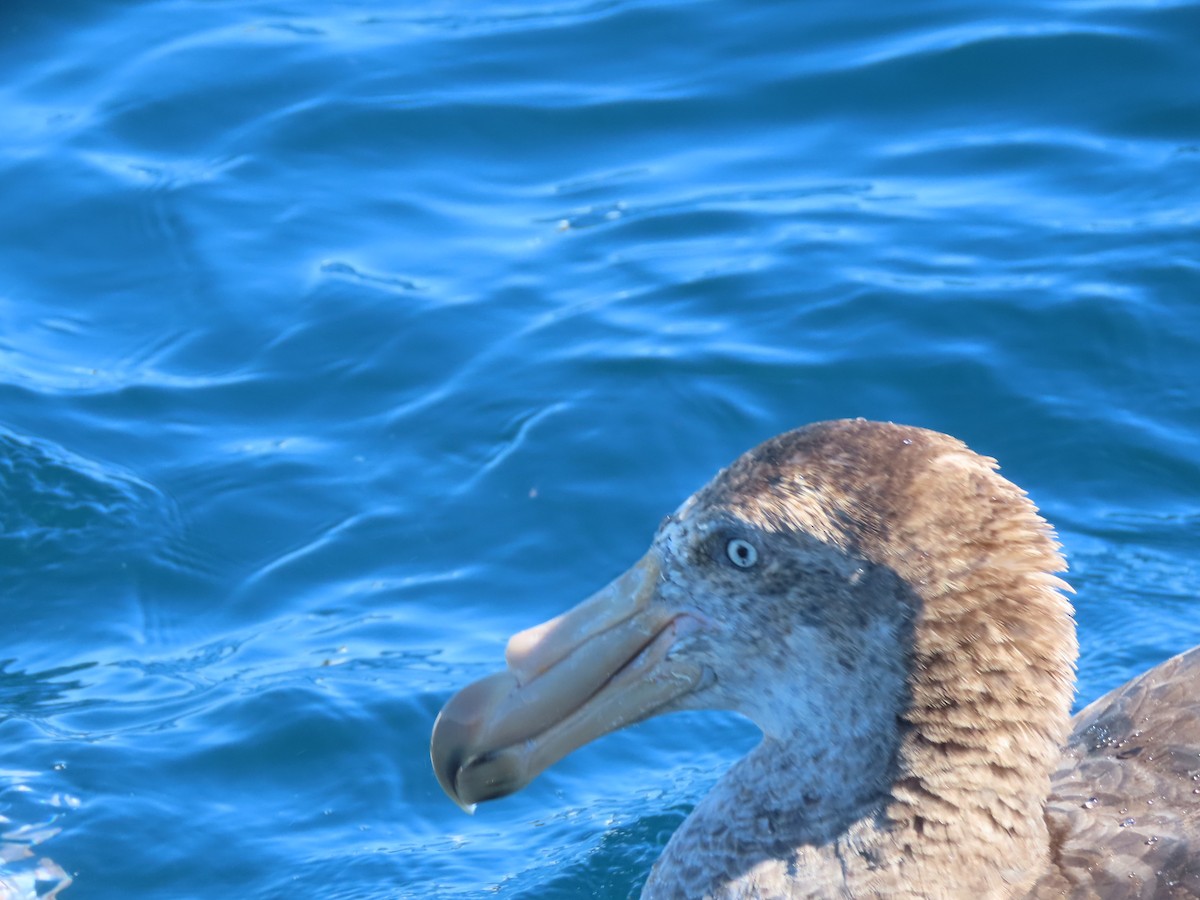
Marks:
<point>1124,809</point>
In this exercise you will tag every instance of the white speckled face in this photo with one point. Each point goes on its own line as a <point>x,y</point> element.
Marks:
<point>805,639</point>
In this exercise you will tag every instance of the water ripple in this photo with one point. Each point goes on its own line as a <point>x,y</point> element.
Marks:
<point>58,506</point>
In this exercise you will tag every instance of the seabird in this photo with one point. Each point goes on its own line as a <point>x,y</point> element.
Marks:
<point>885,607</point>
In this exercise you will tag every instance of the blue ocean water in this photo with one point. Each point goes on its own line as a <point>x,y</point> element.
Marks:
<point>338,342</point>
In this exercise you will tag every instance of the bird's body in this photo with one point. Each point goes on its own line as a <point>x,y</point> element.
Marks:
<point>885,607</point>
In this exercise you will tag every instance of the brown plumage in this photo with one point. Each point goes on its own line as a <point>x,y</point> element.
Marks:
<point>885,607</point>
<point>1124,810</point>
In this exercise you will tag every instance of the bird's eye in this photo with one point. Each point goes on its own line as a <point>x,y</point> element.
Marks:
<point>741,553</point>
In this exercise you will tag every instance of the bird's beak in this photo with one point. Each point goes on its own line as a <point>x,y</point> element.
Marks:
<point>592,670</point>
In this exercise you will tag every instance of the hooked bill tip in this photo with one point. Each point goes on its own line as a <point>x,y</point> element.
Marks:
<point>461,726</point>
